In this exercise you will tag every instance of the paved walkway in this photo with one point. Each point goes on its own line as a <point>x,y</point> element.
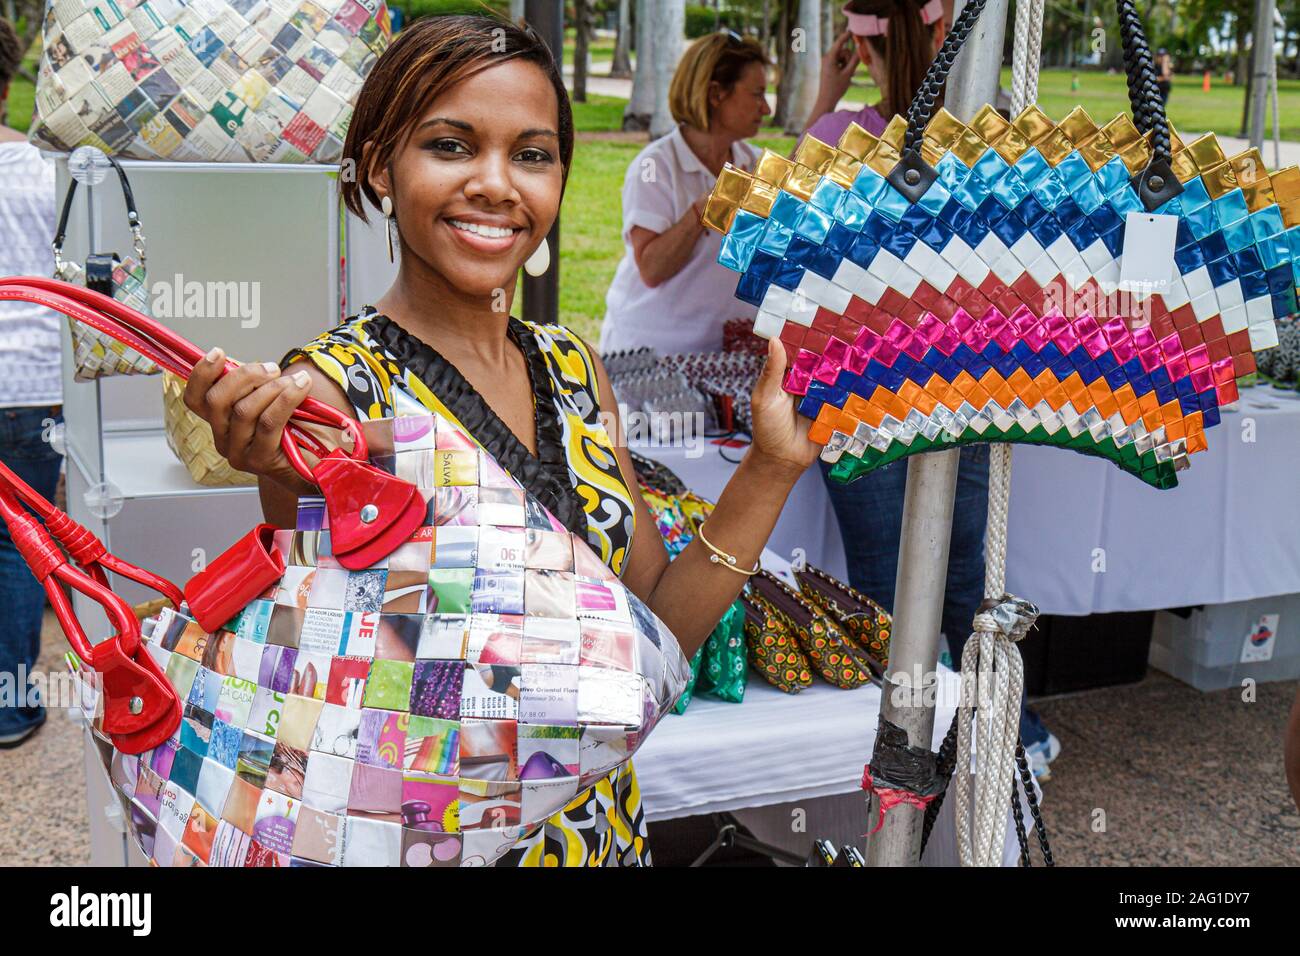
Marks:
<point>1184,778</point>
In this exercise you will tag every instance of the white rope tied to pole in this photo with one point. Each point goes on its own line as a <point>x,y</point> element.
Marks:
<point>992,680</point>
<point>992,672</point>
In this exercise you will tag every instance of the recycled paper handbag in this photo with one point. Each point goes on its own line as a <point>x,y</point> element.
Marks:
<point>423,671</point>
<point>267,81</point>
<point>123,277</point>
<point>950,282</point>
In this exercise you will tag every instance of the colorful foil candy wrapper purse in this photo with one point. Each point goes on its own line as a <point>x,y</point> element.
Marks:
<point>949,282</point>
<point>421,673</point>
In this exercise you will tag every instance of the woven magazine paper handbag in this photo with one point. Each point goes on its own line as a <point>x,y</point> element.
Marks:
<point>956,282</point>
<point>205,80</point>
<point>420,673</point>
<point>124,277</point>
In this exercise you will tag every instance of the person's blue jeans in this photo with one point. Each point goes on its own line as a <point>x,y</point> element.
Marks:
<point>25,449</point>
<point>870,515</point>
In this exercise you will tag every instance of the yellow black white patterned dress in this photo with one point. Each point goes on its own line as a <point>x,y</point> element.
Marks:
<point>386,371</point>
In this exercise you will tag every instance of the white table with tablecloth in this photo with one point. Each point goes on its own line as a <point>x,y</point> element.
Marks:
<point>788,766</point>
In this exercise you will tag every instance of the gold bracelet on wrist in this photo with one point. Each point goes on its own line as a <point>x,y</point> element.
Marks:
<point>724,559</point>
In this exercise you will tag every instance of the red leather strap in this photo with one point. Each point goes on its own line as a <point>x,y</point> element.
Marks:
<point>141,709</point>
<point>173,353</point>
<point>80,542</point>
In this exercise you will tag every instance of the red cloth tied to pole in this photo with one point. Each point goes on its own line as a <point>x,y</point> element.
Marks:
<point>889,797</point>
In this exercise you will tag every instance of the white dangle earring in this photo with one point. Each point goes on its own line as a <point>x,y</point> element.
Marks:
<point>537,264</point>
<point>386,207</point>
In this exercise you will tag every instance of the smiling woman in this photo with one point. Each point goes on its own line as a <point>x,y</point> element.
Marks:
<point>462,136</point>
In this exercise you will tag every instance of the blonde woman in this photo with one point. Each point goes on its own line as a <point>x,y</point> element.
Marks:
<point>669,293</point>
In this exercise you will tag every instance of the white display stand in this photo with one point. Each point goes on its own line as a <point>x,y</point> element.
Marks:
<point>275,227</point>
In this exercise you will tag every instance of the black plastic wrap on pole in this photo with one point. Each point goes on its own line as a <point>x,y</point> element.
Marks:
<point>542,293</point>
<point>897,765</point>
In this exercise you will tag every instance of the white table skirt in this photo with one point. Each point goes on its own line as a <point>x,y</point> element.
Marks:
<point>1085,537</point>
<point>774,753</point>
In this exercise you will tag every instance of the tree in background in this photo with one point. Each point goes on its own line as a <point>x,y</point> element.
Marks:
<point>785,16</point>
<point>804,64</point>
<point>621,67</point>
<point>641,102</point>
<point>669,20</point>
<point>26,17</point>
<point>584,21</point>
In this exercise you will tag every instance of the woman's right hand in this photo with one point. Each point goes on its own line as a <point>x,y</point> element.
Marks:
<point>837,69</point>
<point>248,409</point>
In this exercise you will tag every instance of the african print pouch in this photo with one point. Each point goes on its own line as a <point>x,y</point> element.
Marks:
<point>723,670</point>
<point>420,673</point>
<point>205,80</point>
<point>956,282</point>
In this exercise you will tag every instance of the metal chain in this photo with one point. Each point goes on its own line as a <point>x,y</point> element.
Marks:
<point>918,115</point>
<point>1040,828</point>
<point>1021,838</point>
<point>944,763</point>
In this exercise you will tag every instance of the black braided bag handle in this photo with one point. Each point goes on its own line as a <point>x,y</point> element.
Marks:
<point>1155,184</point>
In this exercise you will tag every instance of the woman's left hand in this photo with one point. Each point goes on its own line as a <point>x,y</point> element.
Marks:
<point>780,432</point>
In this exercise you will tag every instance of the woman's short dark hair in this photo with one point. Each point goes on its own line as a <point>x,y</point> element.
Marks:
<point>427,59</point>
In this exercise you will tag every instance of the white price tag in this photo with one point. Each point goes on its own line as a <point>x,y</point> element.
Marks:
<point>1260,642</point>
<point>1147,261</point>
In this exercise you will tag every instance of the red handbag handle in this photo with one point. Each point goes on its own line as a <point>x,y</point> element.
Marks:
<point>371,512</point>
<point>140,707</point>
<point>177,355</point>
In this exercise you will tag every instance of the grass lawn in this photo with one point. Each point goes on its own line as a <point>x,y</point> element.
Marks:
<point>1190,108</point>
<point>597,50</point>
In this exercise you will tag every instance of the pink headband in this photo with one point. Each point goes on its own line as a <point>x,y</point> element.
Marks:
<point>870,25</point>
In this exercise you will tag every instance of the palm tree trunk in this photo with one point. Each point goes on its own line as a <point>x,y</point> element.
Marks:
<point>785,68</point>
<point>805,61</point>
<point>636,116</point>
<point>581,41</point>
<point>621,68</point>
<point>669,21</point>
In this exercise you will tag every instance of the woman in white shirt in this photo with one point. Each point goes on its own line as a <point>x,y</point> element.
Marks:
<point>669,293</point>
<point>30,388</point>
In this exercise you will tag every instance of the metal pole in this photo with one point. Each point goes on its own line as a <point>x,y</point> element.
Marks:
<point>1263,70</point>
<point>542,294</point>
<point>1277,131</point>
<point>927,512</point>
